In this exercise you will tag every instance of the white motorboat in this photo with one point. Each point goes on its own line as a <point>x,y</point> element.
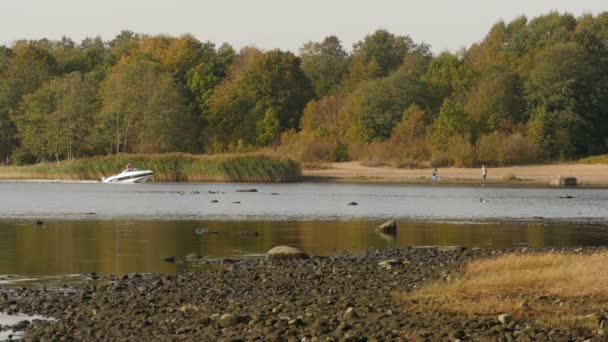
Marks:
<point>129,176</point>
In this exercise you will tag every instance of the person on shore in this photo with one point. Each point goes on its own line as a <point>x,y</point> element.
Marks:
<point>435,175</point>
<point>484,173</point>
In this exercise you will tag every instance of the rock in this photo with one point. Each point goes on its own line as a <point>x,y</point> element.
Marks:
<point>451,248</point>
<point>353,203</point>
<point>227,320</point>
<point>214,201</point>
<point>389,263</point>
<point>247,190</point>
<point>285,252</point>
<point>192,256</point>
<point>559,181</point>
<point>38,223</point>
<point>388,227</point>
<point>247,234</point>
<point>205,231</point>
<point>170,259</point>
<point>505,318</point>
<point>274,193</point>
<point>237,202</point>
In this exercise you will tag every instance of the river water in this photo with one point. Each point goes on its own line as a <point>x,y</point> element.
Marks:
<point>111,228</point>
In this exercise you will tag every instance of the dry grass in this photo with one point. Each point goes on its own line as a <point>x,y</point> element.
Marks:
<point>560,289</point>
<point>509,177</point>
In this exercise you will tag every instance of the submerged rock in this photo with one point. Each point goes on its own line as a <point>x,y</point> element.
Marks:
<point>353,203</point>
<point>205,231</point>
<point>170,259</point>
<point>388,227</point>
<point>247,234</point>
<point>285,252</point>
<point>247,190</point>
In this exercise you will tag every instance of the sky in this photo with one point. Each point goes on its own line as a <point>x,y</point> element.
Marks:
<point>269,24</point>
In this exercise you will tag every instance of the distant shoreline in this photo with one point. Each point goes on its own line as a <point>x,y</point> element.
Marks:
<point>539,175</point>
<point>524,175</point>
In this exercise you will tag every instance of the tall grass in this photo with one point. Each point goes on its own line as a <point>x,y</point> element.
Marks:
<point>170,167</point>
<point>557,289</point>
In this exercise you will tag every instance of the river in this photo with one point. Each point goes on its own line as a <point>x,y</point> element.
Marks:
<point>117,229</point>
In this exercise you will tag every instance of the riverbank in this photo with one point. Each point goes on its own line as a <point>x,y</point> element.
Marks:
<point>542,174</point>
<point>351,296</point>
<point>170,167</point>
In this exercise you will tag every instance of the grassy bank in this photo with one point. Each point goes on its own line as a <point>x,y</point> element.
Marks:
<point>600,159</point>
<point>555,289</point>
<point>172,167</point>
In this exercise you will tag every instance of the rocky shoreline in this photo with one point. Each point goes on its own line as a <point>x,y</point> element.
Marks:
<point>351,296</point>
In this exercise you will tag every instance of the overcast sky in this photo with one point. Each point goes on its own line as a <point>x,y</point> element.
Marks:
<point>268,24</point>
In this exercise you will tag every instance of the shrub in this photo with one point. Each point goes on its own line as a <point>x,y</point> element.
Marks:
<point>461,151</point>
<point>308,148</point>
<point>497,149</point>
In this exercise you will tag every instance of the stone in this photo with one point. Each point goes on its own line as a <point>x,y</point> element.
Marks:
<point>205,231</point>
<point>247,190</point>
<point>559,181</point>
<point>192,256</point>
<point>285,252</point>
<point>214,201</point>
<point>247,234</point>
<point>505,318</point>
<point>451,248</point>
<point>388,263</point>
<point>169,259</point>
<point>353,203</point>
<point>389,228</point>
<point>227,320</point>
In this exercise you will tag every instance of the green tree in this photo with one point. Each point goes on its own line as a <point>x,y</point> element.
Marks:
<point>381,103</point>
<point>269,129</point>
<point>273,80</point>
<point>325,64</point>
<point>496,101</point>
<point>57,120</point>
<point>451,121</point>
<point>143,111</point>
<point>385,49</point>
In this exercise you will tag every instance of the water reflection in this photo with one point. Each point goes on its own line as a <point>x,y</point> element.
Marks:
<point>121,246</point>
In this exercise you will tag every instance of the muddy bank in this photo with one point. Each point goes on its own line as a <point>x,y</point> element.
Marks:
<point>347,296</point>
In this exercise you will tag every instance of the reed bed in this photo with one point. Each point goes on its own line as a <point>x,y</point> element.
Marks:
<point>170,167</point>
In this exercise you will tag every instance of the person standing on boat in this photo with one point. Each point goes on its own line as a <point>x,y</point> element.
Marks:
<point>128,167</point>
<point>484,173</point>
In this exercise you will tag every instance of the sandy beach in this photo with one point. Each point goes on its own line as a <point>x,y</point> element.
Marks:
<point>542,174</point>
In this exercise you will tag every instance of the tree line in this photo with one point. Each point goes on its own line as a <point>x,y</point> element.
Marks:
<point>530,90</point>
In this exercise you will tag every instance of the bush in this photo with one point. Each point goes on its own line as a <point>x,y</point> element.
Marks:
<point>461,151</point>
<point>497,149</point>
<point>306,147</point>
<point>439,159</point>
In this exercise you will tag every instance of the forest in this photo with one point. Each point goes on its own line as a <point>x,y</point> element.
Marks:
<point>530,90</point>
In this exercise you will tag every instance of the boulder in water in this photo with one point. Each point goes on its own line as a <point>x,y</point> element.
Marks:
<point>285,252</point>
<point>389,228</point>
